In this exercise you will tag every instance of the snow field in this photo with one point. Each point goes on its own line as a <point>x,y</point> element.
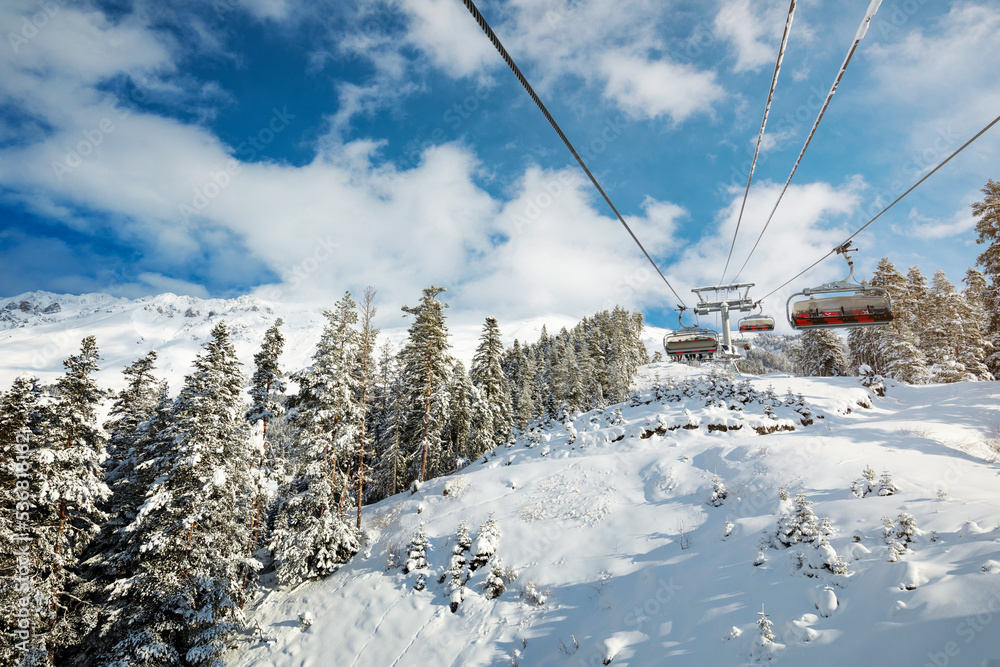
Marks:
<point>637,567</point>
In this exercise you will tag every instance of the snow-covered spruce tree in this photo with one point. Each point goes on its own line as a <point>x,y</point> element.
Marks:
<point>981,300</point>
<point>891,350</point>
<point>496,581</point>
<point>486,544</point>
<point>987,214</point>
<point>265,385</point>
<point>527,391</point>
<point>19,481</point>
<point>390,457</point>
<point>416,557</point>
<point>128,475</point>
<point>920,305</point>
<point>972,340</point>
<point>365,370</point>
<point>268,378</point>
<point>799,525</point>
<point>182,603</point>
<point>311,536</point>
<point>823,354</point>
<point>865,484</point>
<point>426,365</point>
<point>941,336</point>
<point>886,487</point>
<point>872,380</point>
<point>458,571</point>
<point>465,419</point>
<point>115,555</point>
<point>719,493</point>
<point>488,377</point>
<point>68,499</point>
<point>763,646</point>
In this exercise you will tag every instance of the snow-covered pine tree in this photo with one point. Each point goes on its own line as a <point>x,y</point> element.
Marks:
<point>528,392</point>
<point>823,354</point>
<point>467,421</point>
<point>115,555</point>
<point>987,214</point>
<point>920,294</point>
<point>626,351</point>
<point>416,557</point>
<point>980,298</point>
<point>126,475</point>
<point>390,459</point>
<point>942,336</point>
<point>972,342</point>
<point>458,572</point>
<point>486,544</point>
<point>68,507</point>
<point>566,388</point>
<point>366,386</point>
<point>891,350</point>
<point>426,369</point>
<point>182,603</point>
<point>268,378</point>
<point>19,481</point>
<point>265,384</point>
<point>488,377</point>
<point>311,536</point>
<point>763,647</point>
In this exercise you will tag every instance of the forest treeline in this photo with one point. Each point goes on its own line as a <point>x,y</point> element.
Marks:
<point>140,541</point>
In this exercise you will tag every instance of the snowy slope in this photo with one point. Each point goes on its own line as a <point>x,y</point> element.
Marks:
<point>38,330</point>
<point>616,530</point>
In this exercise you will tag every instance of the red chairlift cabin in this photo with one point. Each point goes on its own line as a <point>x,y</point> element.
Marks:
<point>691,340</point>
<point>854,304</point>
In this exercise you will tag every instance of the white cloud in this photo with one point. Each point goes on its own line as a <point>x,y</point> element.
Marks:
<point>954,227</point>
<point>946,75</point>
<point>617,47</point>
<point>159,283</point>
<point>737,22</point>
<point>655,89</point>
<point>448,34</point>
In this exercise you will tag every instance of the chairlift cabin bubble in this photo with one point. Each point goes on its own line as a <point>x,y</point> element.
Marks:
<point>690,341</point>
<point>852,304</point>
<point>758,322</point>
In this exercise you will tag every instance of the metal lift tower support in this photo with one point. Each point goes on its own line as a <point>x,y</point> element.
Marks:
<point>742,303</point>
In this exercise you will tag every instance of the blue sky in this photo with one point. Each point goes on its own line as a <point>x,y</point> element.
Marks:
<point>298,149</point>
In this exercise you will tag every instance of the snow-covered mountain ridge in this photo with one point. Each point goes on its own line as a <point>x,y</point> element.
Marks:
<point>40,329</point>
<point>648,534</point>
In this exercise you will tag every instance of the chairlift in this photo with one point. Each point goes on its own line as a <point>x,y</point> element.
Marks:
<point>690,340</point>
<point>758,322</point>
<point>853,304</point>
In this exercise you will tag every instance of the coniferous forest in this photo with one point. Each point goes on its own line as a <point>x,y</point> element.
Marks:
<point>151,532</point>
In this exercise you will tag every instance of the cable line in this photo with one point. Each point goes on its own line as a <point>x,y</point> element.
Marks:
<point>912,188</point>
<point>471,6</point>
<point>872,8</point>
<point>760,135</point>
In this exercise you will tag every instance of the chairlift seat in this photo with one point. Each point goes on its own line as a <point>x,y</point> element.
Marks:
<point>866,308</point>
<point>759,323</point>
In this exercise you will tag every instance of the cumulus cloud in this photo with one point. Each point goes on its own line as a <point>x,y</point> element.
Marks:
<point>654,89</point>
<point>619,48</point>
